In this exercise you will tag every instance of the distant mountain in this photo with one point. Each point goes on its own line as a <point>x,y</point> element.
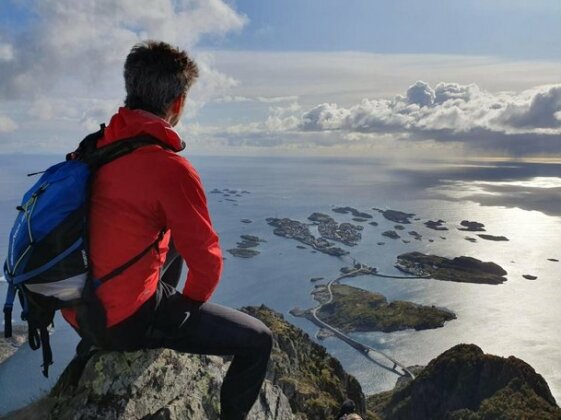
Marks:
<point>465,383</point>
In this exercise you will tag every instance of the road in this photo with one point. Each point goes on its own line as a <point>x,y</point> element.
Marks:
<point>362,348</point>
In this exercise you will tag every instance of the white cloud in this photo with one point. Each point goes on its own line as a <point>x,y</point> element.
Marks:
<point>7,125</point>
<point>453,112</point>
<point>473,119</point>
<point>95,112</point>
<point>326,116</point>
<point>62,72</point>
<point>347,77</point>
<point>6,52</point>
<point>450,106</point>
<point>211,84</point>
<point>88,41</point>
<point>277,99</point>
<point>228,99</point>
<point>261,99</point>
<point>47,108</point>
<point>420,94</point>
<point>283,118</point>
<point>542,110</point>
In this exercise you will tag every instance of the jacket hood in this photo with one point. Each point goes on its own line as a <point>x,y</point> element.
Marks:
<point>134,122</point>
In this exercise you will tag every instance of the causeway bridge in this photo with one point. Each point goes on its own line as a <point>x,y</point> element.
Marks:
<point>365,350</point>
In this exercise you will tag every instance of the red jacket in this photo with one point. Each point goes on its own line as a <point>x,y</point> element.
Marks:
<point>133,198</point>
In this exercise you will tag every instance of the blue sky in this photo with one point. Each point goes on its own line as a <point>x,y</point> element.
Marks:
<point>508,28</point>
<point>399,78</point>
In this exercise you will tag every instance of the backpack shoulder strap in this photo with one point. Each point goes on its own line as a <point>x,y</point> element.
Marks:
<point>8,305</point>
<point>119,270</point>
<point>96,157</point>
<point>115,150</point>
<point>87,145</point>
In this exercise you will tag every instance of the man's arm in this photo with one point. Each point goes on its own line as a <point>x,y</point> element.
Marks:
<point>184,206</point>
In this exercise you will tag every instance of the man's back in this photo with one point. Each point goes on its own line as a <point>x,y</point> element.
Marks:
<point>133,199</point>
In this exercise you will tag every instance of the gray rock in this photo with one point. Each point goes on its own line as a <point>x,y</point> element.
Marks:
<point>8,346</point>
<point>150,384</point>
<point>164,384</point>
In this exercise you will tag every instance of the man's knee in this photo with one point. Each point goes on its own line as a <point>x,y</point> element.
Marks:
<point>263,338</point>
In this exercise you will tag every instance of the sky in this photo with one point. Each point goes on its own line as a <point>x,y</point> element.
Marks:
<point>401,79</point>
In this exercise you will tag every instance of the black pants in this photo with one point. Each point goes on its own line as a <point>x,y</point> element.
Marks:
<point>170,320</point>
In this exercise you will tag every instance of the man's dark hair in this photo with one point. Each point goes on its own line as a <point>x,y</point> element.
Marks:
<point>155,75</point>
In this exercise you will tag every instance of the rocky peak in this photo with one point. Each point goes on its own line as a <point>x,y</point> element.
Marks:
<point>465,383</point>
<point>303,382</point>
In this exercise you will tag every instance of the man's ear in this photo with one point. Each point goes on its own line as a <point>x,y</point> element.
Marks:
<point>177,105</point>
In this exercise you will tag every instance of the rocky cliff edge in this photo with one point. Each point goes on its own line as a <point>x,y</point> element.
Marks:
<point>303,382</point>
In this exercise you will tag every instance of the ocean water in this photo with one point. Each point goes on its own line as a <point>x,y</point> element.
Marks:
<point>521,201</point>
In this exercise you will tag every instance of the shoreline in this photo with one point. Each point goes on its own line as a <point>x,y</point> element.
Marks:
<point>9,346</point>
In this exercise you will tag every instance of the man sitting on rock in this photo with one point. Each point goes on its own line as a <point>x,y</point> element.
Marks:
<point>153,190</point>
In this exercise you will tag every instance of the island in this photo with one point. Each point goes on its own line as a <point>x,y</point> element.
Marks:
<point>436,224</point>
<point>492,237</point>
<point>328,228</point>
<point>373,223</point>
<point>293,229</point>
<point>415,234</point>
<point>396,215</point>
<point>460,269</point>
<point>469,238</point>
<point>553,259</point>
<point>227,192</point>
<point>353,211</point>
<point>391,234</point>
<point>529,277</point>
<point>472,226</point>
<point>245,247</point>
<point>354,309</point>
<point>250,241</point>
<point>243,252</point>
<point>399,227</point>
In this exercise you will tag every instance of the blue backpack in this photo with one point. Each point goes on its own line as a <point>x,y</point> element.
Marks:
<point>48,264</point>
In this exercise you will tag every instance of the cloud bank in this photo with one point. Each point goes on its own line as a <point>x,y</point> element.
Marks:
<point>518,123</point>
<point>68,40</point>
<point>452,117</point>
<point>62,68</point>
